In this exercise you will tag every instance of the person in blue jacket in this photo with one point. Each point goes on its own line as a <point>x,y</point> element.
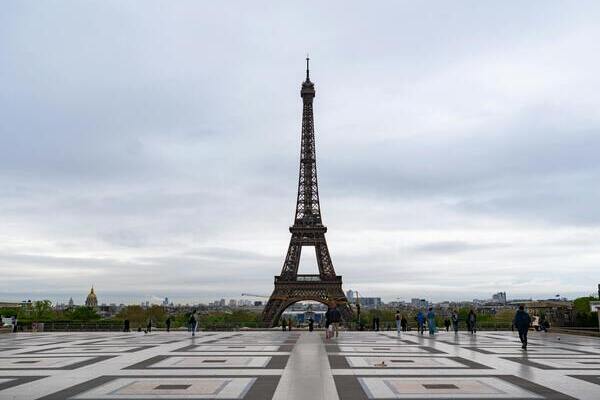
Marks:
<point>420,322</point>
<point>431,321</point>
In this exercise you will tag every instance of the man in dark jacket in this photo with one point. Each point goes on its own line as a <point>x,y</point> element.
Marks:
<point>522,321</point>
<point>335,316</point>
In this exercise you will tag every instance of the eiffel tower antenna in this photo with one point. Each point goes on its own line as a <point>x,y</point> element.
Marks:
<point>307,69</point>
<point>308,231</point>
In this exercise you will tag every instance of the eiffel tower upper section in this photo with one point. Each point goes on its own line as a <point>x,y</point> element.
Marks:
<point>308,209</point>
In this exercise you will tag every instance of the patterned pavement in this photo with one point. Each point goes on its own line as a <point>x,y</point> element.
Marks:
<point>297,365</point>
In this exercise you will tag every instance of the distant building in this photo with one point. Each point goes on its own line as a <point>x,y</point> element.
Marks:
<point>499,297</point>
<point>350,296</point>
<point>232,303</point>
<point>444,305</point>
<point>370,302</point>
<point>71,303</point>
<point>419,303</point>
<point>222,303</point>
<point>91,299</point>
<point>258,304</point>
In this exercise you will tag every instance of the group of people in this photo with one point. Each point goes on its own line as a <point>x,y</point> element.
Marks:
<point>192,323</point>
<point>286,324</point>
<point>401,323</point>
<point>333,318</point>
<point>127,326</point>
<point>429,320</point>
<point>521,321</point>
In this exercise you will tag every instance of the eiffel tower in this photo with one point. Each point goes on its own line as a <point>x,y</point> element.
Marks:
<point>308,230</point>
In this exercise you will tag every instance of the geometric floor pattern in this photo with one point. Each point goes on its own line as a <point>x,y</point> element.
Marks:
<point>297,365</point>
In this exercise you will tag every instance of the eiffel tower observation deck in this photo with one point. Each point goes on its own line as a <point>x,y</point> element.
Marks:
<point>308,231</point>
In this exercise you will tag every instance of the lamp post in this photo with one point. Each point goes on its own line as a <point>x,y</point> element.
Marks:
<point>358,309</point>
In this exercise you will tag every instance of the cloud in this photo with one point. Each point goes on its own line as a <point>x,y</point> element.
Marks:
<point>450,247</point>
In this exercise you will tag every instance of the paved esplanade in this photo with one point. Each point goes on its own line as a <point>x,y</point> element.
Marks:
<point>297,365</point>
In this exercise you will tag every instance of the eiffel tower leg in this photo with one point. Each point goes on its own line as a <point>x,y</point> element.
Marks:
<point>274,308</point>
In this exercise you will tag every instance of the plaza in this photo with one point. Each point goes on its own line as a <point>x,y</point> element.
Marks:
<point>297,365</point>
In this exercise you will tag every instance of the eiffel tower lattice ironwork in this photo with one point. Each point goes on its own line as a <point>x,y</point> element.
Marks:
<point>308,230</point>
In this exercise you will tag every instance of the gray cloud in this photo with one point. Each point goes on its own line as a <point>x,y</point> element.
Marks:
<point>449,247</point>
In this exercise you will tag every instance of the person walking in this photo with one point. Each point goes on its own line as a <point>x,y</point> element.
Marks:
<point>149,326</point>
<point>431,321</point>
<point>454,319</point>
<point>420,322</point>
<point>472,322</point>
<point>283,324</point>
<point>398,322</point>
<point>447,324</point>
<point>126,325</point>
<point>522,321</point>
<point>404,323</point>
<point>544,324</point>
<point>328,323</point>
<point>193,322</point>
<point>168,324</point>
<point>311,324</point>
<point>335,317</point>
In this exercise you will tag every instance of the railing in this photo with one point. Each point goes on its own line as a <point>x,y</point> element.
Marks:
<point>412,326</point>
<point>70,326</point>
<point>117,326</point>
<point>308,278</point>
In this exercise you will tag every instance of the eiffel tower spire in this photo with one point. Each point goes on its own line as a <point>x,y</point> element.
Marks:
<point>307,74</point>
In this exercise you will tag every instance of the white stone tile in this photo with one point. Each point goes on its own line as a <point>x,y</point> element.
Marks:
<point>39,362</point>
<point>431,388</point>
<point>213,361</point>
<point>403,362</point>
<point>170,388</point>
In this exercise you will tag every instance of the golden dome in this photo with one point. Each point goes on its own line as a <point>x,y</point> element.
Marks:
<point>91,299</point>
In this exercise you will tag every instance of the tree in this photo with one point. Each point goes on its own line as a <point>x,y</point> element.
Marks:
<point>139,316</point>
<point>135,314</point>
<point>82,313</point>
<point>42,310</point>
<point>157,314</point>
<point>9,311</point>
<point>583,315</point>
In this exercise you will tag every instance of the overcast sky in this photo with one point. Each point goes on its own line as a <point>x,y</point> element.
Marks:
<point>151,148</point>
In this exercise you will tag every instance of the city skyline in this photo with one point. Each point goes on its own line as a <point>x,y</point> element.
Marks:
<point>79,299</point>
<point>144,155</point>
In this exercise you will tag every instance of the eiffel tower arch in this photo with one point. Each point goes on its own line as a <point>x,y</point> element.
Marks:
<point>308,231</point>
